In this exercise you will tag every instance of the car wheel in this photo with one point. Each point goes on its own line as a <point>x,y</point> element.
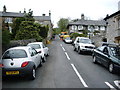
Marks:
<point>79,51</point>
<point>33,74</point>
<point>94,60</point>
<point>48,53</point>
<point>44,59</point>
<point>111,68</point>
<point>40,65</point>
<point>74,48</point>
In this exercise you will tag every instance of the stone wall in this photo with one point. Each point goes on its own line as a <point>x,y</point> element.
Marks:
<point>15,43</point>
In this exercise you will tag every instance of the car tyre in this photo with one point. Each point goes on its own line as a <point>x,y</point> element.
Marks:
<point>33,74</point>
<point>79,51</point>
<point>40,65</point>
<point>111,68</point>
<point>44,59</point>
<point>94,60</point>
<point>48,53</point>
<point>74,48</point>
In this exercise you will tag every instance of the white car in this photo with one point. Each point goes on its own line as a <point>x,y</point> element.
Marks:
<point>68,40</point>
<point>20,61</point>
<point>83,44</point>
<point>41,49</point>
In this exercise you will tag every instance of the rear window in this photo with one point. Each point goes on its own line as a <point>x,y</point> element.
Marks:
<point>35,46</point>
<point>88,41</point>
<point>16,53</point>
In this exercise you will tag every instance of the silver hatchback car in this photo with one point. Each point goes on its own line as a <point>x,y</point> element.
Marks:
<point>22,61</point>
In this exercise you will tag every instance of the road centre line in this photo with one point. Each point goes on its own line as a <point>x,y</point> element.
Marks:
<point>79,76</point>
<point>63,49</point>
<point>67,56</point>
<point>109,85</point>
<point>61,45</point>
<point>117,83</point>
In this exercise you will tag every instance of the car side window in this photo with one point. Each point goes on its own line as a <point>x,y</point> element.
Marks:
<point>43,45</point>
<point>32,52</point>
<point>105,51</point>
<point>101,48</point>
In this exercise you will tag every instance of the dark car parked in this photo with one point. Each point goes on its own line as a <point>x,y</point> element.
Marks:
<point>109,56</point>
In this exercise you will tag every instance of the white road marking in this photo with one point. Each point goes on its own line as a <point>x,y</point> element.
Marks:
<point>110,86</point>
<point>67,56</point>
<point>63,49</point>
<point>61,45</point>
<point>117,83</point>
<point>79,76</point>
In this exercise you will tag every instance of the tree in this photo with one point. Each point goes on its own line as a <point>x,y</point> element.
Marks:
<point>62,24</point>
<point>16,25</point>
<point>28,31</point>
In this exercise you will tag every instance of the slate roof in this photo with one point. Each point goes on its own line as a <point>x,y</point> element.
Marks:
<point>42,18</point>
<point>88,22</point>
<point>11,14</point>
<point>116,13</point>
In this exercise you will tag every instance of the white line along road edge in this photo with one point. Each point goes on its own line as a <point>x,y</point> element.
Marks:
<point>109,85</point>
<point>67,56</point>
<point>79,76</point>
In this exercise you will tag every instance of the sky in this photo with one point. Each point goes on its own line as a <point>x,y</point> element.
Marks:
<point>72,9</point>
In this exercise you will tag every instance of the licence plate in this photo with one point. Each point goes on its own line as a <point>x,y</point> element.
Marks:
<point>12,72</point>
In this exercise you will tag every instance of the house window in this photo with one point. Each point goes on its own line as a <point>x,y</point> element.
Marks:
<point>8,20</point>
<point>91,28</point>
<point>102,28</point>
<point>74,27</point>
<point>96,28</point>
<point>80,27</point>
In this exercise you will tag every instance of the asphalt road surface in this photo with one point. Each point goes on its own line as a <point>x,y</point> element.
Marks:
<point>66,68</point>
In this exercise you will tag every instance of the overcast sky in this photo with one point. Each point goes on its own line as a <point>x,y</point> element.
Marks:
<point>93,9</point>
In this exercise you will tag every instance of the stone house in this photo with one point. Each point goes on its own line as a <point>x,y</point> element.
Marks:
<point>45,20</point>
<point>8,17</point>
<point>113,27</point>
<point>91,25</point>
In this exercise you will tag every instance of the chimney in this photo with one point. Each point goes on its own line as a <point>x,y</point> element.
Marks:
<point>82,16</point>
<point>4,8</point>
<point>43,14</point>
<point>49,13</point>
<point>118,5</point>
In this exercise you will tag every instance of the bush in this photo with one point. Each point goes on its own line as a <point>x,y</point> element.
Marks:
<point>5,37</point>
<point>26,34</point>
<point>74,35</point>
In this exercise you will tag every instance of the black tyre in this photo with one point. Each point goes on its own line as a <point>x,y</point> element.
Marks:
<point>79,51</point>
<point>111,68</point>
<point>40,65</point>
<point>44,59</point>
<point>33,74</point>
<point>74,48</point>
<point>94,60</point>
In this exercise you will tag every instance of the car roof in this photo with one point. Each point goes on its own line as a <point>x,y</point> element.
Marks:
<point>35,43</point>
<point>20,47</point>
<point>83,37</point>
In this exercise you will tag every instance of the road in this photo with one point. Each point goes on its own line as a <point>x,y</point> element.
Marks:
<point>66,68</point>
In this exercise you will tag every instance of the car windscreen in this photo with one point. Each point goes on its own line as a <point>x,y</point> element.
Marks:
<point>35,46</point>
<point>15,53</point>
<point>115,51</point>
<point>87,41</point>
<point>68,38</point>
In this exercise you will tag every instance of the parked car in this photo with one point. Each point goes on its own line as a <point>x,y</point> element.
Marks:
<point>83,44</point>
<point>108,56</point>
<point>67,40</point>
<point>41,49</point>
<point>20,61</point>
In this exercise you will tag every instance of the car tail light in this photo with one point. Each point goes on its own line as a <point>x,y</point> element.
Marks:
<point>24,64</point>
<point>1,65</point>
